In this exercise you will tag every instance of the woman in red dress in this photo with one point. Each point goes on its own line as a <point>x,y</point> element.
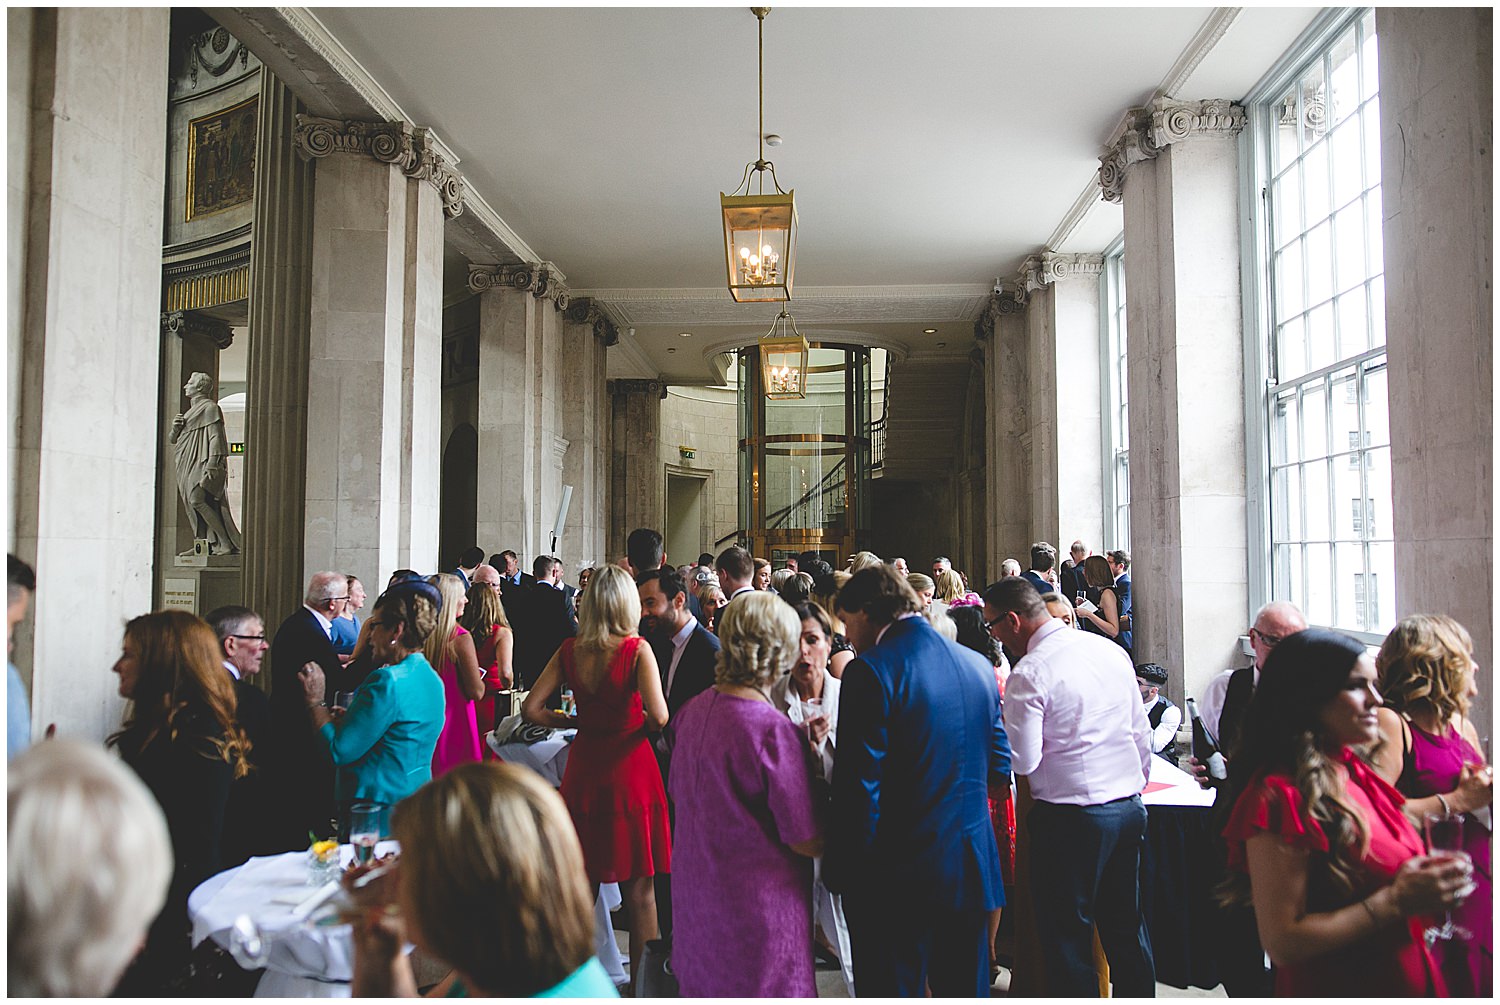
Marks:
<point>612,785</point>
<point>1318,842</point>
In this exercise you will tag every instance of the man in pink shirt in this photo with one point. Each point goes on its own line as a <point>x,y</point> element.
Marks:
<point>1079,732</point>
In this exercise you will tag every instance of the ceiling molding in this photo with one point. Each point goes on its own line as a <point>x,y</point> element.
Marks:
<point>1197,50</point>
<point>632,360</point>
<point>1076,213</point>
<point>710,307</point>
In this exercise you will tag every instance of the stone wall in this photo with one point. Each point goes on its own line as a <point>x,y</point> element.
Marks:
<point>703,418</point>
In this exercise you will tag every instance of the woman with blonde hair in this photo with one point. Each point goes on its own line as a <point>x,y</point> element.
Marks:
<point>491,842</point>
<point>612,785</point>
<point>180,736</point>
<point>450,650</point>
<point>1430,751</point>
<point>485,621</point>
<point>747,826</point>
<point>711,598</point>
<point>862,560</point>
<point>948,587</point>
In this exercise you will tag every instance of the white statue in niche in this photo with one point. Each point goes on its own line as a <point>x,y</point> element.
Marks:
<point>201,450</point>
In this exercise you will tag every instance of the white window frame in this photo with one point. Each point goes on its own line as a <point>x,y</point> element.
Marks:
<point>1259,321</point>
<point>1114,450</point>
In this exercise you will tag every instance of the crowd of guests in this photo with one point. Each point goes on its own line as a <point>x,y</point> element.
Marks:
<point>775,766</point>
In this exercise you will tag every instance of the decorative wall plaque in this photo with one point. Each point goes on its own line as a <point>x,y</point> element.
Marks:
<point>221,159</point>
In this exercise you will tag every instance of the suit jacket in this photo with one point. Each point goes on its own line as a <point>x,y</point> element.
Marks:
<point>695,671</point>
<point>245,830</point>
<point>1035,579</point>
<point>527,581</point>
<point>920,738</point>
<point>1072,582</point>
<point>541,619</point>
<point>301,772</point>
<point>464,576</point>
<point>1122,589</point>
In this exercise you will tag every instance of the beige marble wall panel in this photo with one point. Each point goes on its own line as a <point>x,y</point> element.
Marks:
<point>1041,365</point>
<point>583,398</point>
<point>1011,497</point>
<point>551,445</point>
<point>1436,126</point>
<point>705,418</point>
<point>354,425</point>
<point>507,420</point>
<point>19,81</point>
<point>636,493</point>
<point>85,463</point>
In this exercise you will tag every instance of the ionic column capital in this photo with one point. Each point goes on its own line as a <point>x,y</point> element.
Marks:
<point>399,144</point>
<point>1058,267</point>
<point>1145,132</point>
<point>657,388</point>
<point>543,281</point>
<point>185,323</point>
<point>998,304</point>
<point>586,311</point>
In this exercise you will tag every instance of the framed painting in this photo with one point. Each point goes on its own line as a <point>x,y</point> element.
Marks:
<point>221,159</point>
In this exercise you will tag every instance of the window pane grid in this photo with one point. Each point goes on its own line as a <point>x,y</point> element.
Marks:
<point>1117,458</point>
<point>1332,537</point>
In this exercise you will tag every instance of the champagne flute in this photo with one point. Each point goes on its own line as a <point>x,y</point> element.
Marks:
<point>1445,838</point>
<point>366,823</point>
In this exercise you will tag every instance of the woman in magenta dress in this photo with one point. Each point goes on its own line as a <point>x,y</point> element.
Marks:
<point>1429,750</point>
<point>450,649</point>
<point>612,785</point>
<point>1318,842</point>
<point>494,645</point>
<point>747,829</point>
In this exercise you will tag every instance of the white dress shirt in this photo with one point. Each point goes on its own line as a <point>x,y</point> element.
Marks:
<point>1075,720</point>
<point>323,622</point>
<point>1167,731</point>
<point>1212,705</point>
<point>234,671</point>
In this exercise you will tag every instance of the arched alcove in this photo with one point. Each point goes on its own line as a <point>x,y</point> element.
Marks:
<point>459,501</point>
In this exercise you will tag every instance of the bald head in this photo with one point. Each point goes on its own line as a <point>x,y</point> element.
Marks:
<point>1274,622</point>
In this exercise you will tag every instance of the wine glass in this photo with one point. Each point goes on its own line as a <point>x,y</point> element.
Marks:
<point>366,824</point>
<point>1445,838</point>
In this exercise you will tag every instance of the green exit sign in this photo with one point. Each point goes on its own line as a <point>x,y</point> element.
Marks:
<point>237,448</point>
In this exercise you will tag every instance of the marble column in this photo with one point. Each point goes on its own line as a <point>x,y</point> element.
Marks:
<point>376,331</point>
<point>85,466</point>
<point>280,315</point>
<point>1003,332</point>
<point>1176,164</point>
<point>636,472</point>
<point>1066,470</point>
<point>521,442</point>
<point>586,333</point>
<point>1436,136</point>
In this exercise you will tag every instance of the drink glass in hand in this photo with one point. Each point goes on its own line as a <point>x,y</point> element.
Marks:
<point>366,823</point>
<point>1445,839</point>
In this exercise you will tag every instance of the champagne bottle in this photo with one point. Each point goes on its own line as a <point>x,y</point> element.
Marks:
<point>1204,748</point>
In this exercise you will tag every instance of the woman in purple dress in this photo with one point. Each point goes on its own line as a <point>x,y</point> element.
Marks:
<point>746,829</point>
<point>1430,752</point>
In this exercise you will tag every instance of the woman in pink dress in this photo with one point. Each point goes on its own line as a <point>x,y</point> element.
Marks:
<point>494,646</point>
<point>450,649</point>
<point>1318,844</point>
<point>1429,751</point>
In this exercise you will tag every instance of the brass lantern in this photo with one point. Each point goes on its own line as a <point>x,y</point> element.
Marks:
<point>760,227</point>
<point>783,360</point>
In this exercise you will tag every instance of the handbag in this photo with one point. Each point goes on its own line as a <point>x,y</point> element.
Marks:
<point>654,977</point>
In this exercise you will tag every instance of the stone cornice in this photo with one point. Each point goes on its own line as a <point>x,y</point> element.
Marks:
<point>1144,132</point>
<point>634,386</point>
<point>399,144</point>
<point>185,323</point>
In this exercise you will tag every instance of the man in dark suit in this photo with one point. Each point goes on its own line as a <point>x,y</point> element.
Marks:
<point>644,551</point>
<point>1070,576</point>
<point>1119,564</point>
<point>910,845</point>
<point>242,645</point>
<point>471,559</point>
<point>540,618</point>
<point>301,773</point>
<point>686,653</point>
<point>511,575</point>
<point>1043,557</point>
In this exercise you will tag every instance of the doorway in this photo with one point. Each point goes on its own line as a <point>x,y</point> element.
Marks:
<point>687,508</point>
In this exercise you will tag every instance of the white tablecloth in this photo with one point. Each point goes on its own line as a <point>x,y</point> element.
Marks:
<point>305,961</point>
<point>548,758</point>
<point>1171,786</point>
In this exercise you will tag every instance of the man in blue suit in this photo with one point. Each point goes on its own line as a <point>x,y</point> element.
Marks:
<point>910,844</point>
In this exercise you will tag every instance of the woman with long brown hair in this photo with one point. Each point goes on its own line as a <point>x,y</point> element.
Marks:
<point>1106,619</point>
<point>494,649</point>
<point>180,736</point>
<point>1318,843</point>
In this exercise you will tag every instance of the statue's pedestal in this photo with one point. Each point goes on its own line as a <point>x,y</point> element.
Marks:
<point>199,583</point>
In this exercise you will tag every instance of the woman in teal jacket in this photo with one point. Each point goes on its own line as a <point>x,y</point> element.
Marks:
<point>382,744</point>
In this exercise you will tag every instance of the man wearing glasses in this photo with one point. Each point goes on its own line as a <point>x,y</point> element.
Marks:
<point>243,645</point>
<point>1227,698</point>
<point>1242,960</point>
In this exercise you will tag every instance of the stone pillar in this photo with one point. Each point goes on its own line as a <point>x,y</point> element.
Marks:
<point>1002,331</point>
<point>636,472</point>
<point>1436,157</point>
<point>86,462</point>
<point>521,444</point>
<point>280,312</point>
<point>1066,470</point>
<point>1177,165</point>
<point>375,347</point>
<point>586,334</point>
